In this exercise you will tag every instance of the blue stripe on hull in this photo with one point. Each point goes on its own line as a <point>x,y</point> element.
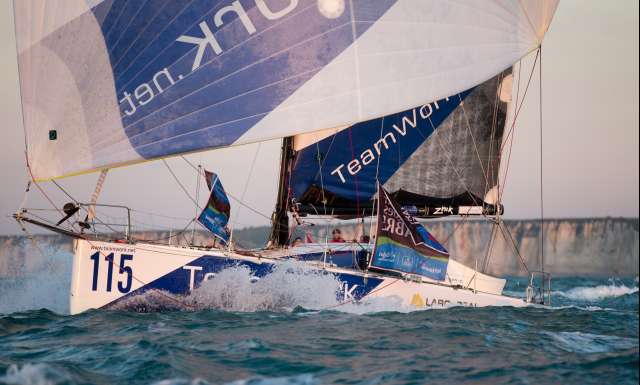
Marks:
<point>178,281</point>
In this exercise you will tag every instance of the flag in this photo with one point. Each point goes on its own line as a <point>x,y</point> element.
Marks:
<point>404,245</point>
<point>215,215</point>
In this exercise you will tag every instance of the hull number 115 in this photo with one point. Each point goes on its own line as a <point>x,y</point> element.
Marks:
<point>124,271</point>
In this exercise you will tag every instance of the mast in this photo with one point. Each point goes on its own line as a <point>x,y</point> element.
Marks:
<point>280,218</point>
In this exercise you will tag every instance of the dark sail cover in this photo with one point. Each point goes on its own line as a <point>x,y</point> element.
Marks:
<point>404,245</point>
<point>444,152</point>
<point>215,215</point>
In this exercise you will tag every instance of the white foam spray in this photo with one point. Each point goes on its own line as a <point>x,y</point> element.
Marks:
<point>291,284</point>
<point>33,374</point>
<point>302,379</point>
<point>596,293</point>
<point>45,286</point>
<point>580,342</point>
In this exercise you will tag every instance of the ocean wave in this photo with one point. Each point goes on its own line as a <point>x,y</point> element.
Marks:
<point>303,379</point>
<point>579,342</point>
<point>596,293</point>
<point>181,381</point>
<point>584,308</point>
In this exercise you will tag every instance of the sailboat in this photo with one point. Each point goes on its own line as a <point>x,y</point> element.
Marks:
<point>389,111</point>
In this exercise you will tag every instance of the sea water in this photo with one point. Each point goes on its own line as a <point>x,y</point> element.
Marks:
<point>287,329</point>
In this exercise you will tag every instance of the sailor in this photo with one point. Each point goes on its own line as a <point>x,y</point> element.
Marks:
<point>337,236</point>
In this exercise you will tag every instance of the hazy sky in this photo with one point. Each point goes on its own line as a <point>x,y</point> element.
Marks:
<point>590,120</point>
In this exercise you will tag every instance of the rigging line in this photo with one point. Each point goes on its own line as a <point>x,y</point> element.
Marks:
<point>455,229</point>
<point>180,183</point>
<point>24,197</point>
<point>231,195</point>
<point>87,211</point>
<point>197,209</point>
<point>318,156</point>
<point>64,191</point>
<point>248,207</point>
<point>324,198</point>
<point>487,255</point>
<point>448,155</point>
<point>524,95</point>
<point>35,244</point>
<point>374,212</point>
<point>492,139</point>
<point>289,175</point>
<point>145,226</point>
<point>507,236</point>
<point>42,191</point>
<point>22,115</point>
<point>473,139</point>
<point>246,186</point>
<point>215,236</point>
<point>541,164</point>
<point>189,163</point>
<point>333,139</point>
<point>353,156</point>
<point>509,139</point>
<point>494,126</point>
<point>511,132</point>
<point>51,223</point>
<point>158,215</point>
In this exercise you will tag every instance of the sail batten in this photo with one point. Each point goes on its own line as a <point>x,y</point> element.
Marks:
<point>108,83</point>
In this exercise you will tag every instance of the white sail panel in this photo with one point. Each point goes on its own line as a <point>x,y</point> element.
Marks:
<point>117,82</point>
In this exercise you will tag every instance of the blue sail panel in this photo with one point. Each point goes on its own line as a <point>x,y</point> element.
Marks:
<point>350,163</point>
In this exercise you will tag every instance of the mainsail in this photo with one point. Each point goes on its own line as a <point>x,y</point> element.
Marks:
<point>113,82</point>
<point>440,154</point>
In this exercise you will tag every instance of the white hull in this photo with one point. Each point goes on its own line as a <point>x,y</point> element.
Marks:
<point>105,273</point>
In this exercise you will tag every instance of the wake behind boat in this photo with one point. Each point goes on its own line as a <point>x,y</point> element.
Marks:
<point>380,126</point>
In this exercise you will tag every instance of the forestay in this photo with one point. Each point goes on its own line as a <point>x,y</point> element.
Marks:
<point>114,82</point>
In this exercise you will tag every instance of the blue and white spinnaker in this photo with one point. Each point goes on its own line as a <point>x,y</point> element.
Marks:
<point>114,82</point>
